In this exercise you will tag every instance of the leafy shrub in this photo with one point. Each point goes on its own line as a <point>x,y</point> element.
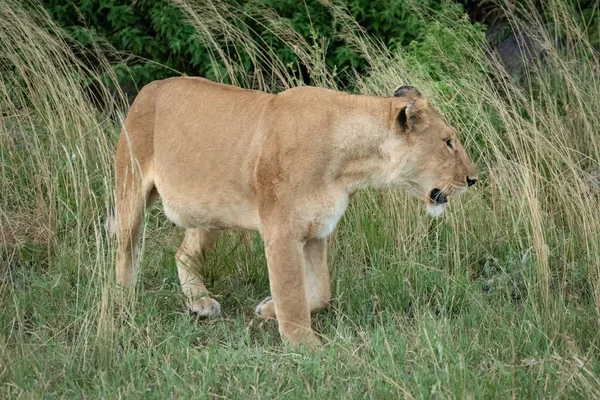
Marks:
<point>156,41</point>
<point>152,36</point>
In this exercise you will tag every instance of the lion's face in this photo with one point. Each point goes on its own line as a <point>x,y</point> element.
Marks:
<point>439,167</point>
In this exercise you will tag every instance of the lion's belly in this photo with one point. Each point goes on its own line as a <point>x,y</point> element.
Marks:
<point>206,202</point>
<point>210,214</point>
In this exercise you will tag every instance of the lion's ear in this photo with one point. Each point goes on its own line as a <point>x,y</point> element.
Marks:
<point>406,104</point>
<point>407,91</point>
<point>406,114</point>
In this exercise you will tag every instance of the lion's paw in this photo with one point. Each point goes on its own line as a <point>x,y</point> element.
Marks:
<point>266,309</point>
<point>205,307</point>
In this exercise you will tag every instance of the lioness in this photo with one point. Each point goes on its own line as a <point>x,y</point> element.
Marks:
<point>284,165</point>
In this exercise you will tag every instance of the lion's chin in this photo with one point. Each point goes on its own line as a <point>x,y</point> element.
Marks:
<point>435,210</point>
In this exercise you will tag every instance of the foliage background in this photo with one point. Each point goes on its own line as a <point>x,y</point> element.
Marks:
<point>153,39</point>
<point>157,41</point>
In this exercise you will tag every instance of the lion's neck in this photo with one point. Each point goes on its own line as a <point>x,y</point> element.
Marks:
<point>370,159</point>
<point>377,171</point>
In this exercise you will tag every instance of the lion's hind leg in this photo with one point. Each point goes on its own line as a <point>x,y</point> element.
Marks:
<point>134,196</point>
<point>188,259</point>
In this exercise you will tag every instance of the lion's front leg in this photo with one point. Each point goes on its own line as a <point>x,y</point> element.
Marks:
<point>316,273</point>
<point>316,280</point>
<point>285,260</point>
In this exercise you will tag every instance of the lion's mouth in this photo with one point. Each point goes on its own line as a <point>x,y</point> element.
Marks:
<point>437,203</point>
<point>437,197</point>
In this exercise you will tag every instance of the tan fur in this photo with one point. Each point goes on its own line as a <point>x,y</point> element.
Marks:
<point>283,165</point>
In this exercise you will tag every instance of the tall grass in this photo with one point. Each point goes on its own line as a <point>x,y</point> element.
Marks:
<point>498,298</point>
<point>227,32</point>
<point>57,155</point>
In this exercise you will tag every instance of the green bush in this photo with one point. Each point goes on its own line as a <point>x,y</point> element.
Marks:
<point>154,39</point>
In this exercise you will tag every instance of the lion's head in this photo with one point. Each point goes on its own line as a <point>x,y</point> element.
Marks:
<point>436,165</point>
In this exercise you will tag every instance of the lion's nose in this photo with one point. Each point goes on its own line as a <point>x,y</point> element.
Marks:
<point>471,181</point>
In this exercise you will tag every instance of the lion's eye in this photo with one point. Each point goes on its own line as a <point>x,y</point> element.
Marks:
<point>449,143</point>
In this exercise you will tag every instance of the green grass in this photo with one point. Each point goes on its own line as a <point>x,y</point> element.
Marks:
<point>497,299</point>
<point>395,327</point>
